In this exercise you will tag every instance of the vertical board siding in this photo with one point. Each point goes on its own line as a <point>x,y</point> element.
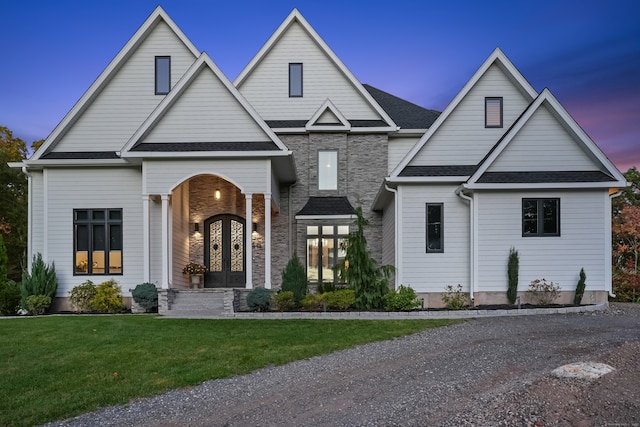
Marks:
<point>267,87</point>
<point>558,259</point>
<point>206,112</point>
<point>99,188</point>
<point>543,145</point>
<point>462,139</point>
<point>398,148</point>
<point>127,100</point>
<point>431,272</point>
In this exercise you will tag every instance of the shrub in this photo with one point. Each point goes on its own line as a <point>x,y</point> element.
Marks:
<point>37,304</point>
<point>312,302</point>
<point>108,298</point>
<point>284,300</point>
<point>9,298</point>
<point>259,299</point>
<point>626,286</point>
<point>41,281</point>
<point>294,279</point>
<point>543,292</point>
<point>512,275</point>
<point>146,296</point>
<point>403,299</point>
<point>577,299</point>
<point>341,299</point>
<point>81,296</point>
<point>4,259</point>
<point>454,298</point>
<point>327,287</point>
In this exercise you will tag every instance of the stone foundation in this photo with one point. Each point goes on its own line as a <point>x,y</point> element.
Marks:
<point>434,299</point>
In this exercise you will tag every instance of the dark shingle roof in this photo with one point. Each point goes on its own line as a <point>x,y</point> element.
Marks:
<point>406,114</point>
<point>452,170</point>
<point>85,155</point>
<point>543,177</point>
<point>318,206</point>
<point>207,146</point>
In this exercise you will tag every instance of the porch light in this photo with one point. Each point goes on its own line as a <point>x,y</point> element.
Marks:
<point>254,228</point>
<point>196,227</point>
<point>217,194</point>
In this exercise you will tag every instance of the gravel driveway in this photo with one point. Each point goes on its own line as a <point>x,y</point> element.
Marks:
<point>484,372</point>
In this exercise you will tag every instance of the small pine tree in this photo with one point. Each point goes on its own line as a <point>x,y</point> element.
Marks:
<point>512,275</point>
<point>41,281</point>
<point>294,279</point>
<point>577,299</point>
<point>4,259</point>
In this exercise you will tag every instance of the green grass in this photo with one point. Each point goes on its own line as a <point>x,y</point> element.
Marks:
<point>56,367</point>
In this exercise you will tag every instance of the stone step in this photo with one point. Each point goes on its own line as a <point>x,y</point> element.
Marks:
<point>197,302</point>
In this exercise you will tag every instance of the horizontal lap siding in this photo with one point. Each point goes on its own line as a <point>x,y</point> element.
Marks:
<point>36,231</point>
<point>389,234</point>
<point>267,88</point>
<point>129,97</point>
<point>398,148</point>
<point>558,259</point>
<point>99,188</point>
<point>463,139</point>
<point>431,272</point>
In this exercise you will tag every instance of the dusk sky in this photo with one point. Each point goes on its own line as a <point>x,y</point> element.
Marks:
<point>586,52</point>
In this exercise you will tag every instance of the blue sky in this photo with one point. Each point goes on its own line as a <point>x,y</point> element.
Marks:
<point>586,52</point>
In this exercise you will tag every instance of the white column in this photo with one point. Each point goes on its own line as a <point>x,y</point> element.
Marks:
<point>247,238</point>
<point>267,240</point>
<point>165,241</point>
<point>146,262</point>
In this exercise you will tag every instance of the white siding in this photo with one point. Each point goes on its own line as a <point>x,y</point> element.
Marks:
<point>249,175</point>
<point>463,139</point>
<point>181,230</point>
<point>267,88</point>
<point>36,231</point>
<point>155,239</point>
<point>97,188</point>
<point>559,259</point>
<point>543,145</point>
<point>398,148</point>
<point>431,272</point>
<point>206,112</point>
<point>389,234</point>
<point>129,97</point>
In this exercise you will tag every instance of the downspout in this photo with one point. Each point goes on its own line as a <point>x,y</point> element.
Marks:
<point>396,248</point>
<point>29,215</point>
<point>472,255</point>
<point>608,247</point>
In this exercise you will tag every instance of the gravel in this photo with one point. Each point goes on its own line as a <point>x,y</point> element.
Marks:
<point>484,372</point>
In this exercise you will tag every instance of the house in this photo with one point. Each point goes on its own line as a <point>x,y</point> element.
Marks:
<point>165,161</point>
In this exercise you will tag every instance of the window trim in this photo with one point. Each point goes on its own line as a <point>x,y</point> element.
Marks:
<point>90,222</point>
<point>158,92</point>
<point>335,236</point>
<point>540,218</point>
<point>441,248</point>
<point>486,110</point>
<point>337,167</point>
<point>293,94</point>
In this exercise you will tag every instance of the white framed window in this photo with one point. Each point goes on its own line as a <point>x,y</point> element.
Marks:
<point>327,170</point>
<point>493,112</point>
<point>163,75</point>
<point>435,230</point>
<point>295,80</point>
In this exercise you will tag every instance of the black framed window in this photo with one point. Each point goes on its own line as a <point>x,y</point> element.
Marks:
<point>295,80</point>
<point>97,241</point>
<point>435,230</point>
<point>540,217</point>
<point>493,112</point>
<point>163,75</point>
<point>325,250</point>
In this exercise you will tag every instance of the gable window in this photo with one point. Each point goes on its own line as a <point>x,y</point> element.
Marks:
<point>327,170</point>
<point>325,250</point>
<point>540,217</point>
<point>97,241</point>
<point>493,112</point>
<point>435,213</point>
<point>163,75</point>
<point>295,80</point>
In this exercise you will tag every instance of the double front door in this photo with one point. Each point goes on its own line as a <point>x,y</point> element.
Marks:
<point>224,251</point>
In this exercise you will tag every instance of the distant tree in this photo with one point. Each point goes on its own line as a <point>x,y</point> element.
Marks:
<point>36,144</point>
<point>626,239</point>
<point>631,195</point>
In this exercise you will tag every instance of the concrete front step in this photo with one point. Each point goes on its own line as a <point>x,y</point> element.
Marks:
<point>198,302</point>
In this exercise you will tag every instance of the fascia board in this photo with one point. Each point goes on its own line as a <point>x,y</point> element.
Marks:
<point>427,179</point>
<point>541,186</point>
<point>75,163</point>
<point>205,154</point>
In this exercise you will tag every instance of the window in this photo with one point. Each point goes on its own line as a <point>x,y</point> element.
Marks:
<point>434,227</point>
<point>325,250</point>
<point>163,75</point>
<point>540,217</point>
<point>97,241</point>
<point>295,80</point>
<point>328,170</point>
<point>493,112</point>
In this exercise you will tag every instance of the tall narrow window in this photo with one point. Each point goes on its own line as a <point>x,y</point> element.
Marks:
<point>295,80</point>
<point>163,75</point>
<point>540,217</point>
<point>98,241</point>
<point>493,112</point>
<point>325,250</point>
<point>328,170</point>
<point>434,227</point>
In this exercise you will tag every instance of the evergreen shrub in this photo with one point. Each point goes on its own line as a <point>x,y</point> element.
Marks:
<point>81,296</point>
<point>259,299</point>
<point>9,298</point>
<point>577,299</point>
<point>512,275</point>
<point>108,298</point>
<point>284,300</point>
<point>342,299</point>
<point>146,296</point>
<point>41,281</point>
<point>38,304</point>
<point>294,279</point>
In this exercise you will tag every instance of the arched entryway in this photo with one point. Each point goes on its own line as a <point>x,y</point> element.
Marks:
<point>225,251</point>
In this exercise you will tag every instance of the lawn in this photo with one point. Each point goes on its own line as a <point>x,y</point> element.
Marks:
<point>55,367</point>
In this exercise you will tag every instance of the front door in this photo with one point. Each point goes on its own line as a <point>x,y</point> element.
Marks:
<point>224,252</point>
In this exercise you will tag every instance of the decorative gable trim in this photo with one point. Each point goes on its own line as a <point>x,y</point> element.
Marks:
<point>296,16</point>
<point>318,122</point>
<point>105,77</point>
<point>497,57</point>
